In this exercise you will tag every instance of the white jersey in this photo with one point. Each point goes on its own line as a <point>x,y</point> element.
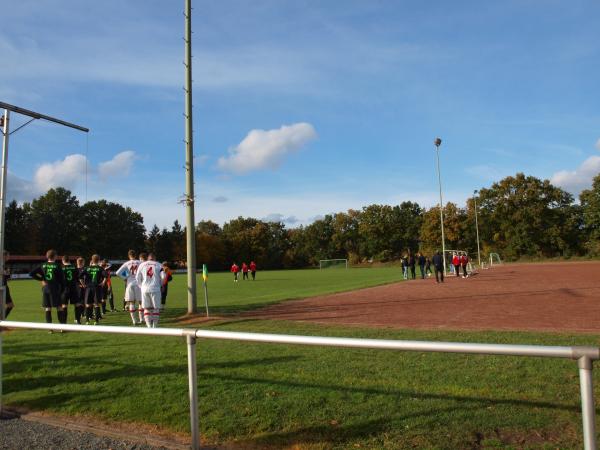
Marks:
<point>128,271</point>
<point>149,276</point>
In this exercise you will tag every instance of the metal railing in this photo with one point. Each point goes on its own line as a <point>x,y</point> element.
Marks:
<point>583,355</point>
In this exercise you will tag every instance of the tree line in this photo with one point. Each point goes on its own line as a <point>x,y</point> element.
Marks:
<point>519,216</point>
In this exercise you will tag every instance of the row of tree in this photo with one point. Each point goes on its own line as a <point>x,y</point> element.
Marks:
<point>520,216</point>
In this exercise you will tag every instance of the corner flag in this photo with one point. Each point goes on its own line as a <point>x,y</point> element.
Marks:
<point>204,272</point>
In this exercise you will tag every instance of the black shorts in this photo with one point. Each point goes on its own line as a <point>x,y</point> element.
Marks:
<point>70,295</point>
<point>93,295</point>
<point>51,298</point>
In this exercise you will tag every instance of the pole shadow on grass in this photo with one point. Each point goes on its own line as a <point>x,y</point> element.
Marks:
<point>484,401</point>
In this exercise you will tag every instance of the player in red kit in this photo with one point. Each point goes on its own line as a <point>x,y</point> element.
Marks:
<point>235,270</point>
<point>253,270</point>
<point>244,271</point>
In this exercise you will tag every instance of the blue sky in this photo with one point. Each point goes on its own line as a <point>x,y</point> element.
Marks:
<point>301,108</point>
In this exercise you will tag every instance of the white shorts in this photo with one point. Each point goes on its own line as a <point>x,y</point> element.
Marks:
<point>151,300</point>
<point>133,293</point>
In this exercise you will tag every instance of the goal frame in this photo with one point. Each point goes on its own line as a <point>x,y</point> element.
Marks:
<point>321,261</point>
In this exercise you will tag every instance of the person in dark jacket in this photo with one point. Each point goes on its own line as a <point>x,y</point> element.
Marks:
<point>438,266</point>
<point>412,263</point>
<point>421,262</point>
<point>405,267</point>
<point>428,266</point>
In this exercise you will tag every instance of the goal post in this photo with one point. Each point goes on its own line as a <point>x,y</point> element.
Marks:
<point>495,260</point>
<point>333,263</point>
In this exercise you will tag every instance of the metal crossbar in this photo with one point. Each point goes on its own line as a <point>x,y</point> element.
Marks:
<point>585,356</point>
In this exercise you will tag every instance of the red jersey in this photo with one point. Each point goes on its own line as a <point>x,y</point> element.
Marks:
<point>235,268</point>
<point>464,260</point>
<point>455,260</point>
<point>253,266</point>
<point>244,268</point>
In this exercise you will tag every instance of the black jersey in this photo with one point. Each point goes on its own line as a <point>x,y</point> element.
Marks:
<point>93,276</point>
<point>70,275</point>
<point>50,273</point>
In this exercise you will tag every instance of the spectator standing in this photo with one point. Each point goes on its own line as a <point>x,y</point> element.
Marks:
<point>428,266</point>
<point>421,261</point>
<point>9,305</point>
<point>244,271</point>
<point>438,265</point>
<point>235,270</point>
<point>456,264</point>
<point>405,267</point>
<point>412,264</point>
<point>253,270</point>
<point>464,261</point>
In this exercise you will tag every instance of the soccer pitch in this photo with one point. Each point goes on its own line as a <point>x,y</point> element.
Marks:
<point>274,396</point>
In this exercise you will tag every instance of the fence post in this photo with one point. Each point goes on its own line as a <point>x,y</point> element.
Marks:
<point>588,412</point>
<point>193,388</point>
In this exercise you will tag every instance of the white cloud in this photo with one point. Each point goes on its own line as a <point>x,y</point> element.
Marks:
<point>575,181</point>
<point>68,173</point>
<point>120,165</point>
<point>291,220</point>
<point>262,149</point>
<point>65,173</point>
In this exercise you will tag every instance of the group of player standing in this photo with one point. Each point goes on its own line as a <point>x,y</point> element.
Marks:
<point>235,270</point>
<point>88,288</point>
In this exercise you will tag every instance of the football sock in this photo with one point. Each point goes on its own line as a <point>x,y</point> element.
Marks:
<point>97,312</point>
<point>141,314</point>
<point>103,307</point>
<point>7,312</point>
<point>78,313</point>
<point>148,317</point>
<point>88,313</point>
<point>48,316</point>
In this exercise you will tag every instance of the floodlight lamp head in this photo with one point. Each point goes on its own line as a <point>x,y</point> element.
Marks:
<point>475,192</point>
<point>437,142</point>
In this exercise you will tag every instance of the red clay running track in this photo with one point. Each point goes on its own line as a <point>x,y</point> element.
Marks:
<point>536,297</point>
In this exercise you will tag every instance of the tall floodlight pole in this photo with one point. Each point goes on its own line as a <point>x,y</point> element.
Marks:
<point>475,192</point>
<point>189,164</point>
<point>437,143</point>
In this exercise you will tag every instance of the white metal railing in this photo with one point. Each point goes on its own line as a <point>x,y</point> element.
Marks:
<point>583,355</point>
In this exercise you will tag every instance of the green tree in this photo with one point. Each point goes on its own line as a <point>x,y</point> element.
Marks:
<point>110,229</point>
<point>526,216</point>
<point>590,209</point>
<point>57,219</point>
<point>19,229</point>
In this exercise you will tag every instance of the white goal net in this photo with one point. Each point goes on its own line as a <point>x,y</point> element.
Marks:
<point>333,264</point>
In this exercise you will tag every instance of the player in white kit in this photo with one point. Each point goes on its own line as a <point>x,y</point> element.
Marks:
<point>150,276</point>
<point>133,295</point>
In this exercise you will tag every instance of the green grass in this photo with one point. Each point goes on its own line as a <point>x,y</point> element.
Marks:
<point>273,396</point>
<point>227,297</point>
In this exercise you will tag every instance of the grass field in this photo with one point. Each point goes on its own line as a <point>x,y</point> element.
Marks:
<point>261,395</point>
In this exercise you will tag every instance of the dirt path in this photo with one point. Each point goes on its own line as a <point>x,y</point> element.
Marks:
<point>536,297</point>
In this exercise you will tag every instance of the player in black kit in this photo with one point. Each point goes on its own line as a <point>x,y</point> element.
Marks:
<point>93,279</point>
<point>52,280</point>
<point>80,289</point>
<point>70,295</point>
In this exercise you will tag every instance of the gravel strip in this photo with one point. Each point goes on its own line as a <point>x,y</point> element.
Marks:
<point>21,434</point>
